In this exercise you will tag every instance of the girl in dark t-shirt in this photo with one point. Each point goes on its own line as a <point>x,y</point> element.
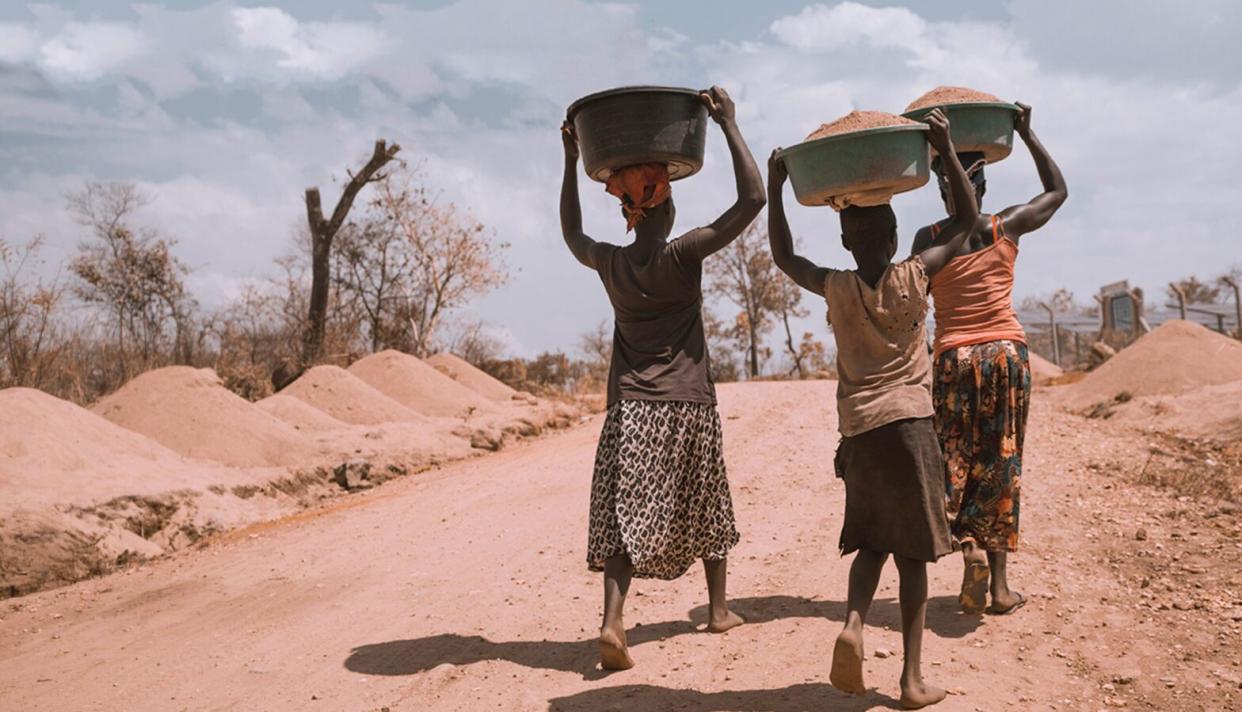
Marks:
<point>659,495</point>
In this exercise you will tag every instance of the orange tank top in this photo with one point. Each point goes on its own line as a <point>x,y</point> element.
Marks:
<point>974,295</point>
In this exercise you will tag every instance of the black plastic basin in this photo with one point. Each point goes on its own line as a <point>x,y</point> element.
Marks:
<point>629,125</point>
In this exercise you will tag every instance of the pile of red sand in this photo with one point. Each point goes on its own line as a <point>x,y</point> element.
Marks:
<point>1043,370</point>
<point>418,386</point>
<point>54,452</point>
<point>347,398</point>
<point>1213,412</point>
<point>951,95</point>
<point>300,414</point>
<point>1176,357</point>
<point>473,378</point>
<point>859,121</point>
<point>189,410</point>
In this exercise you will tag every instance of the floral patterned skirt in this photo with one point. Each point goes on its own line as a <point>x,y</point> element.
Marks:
<point>982,394</point>
<point>659,493</point>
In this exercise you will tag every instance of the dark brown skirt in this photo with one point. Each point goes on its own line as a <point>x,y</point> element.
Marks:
<point>894,491</point>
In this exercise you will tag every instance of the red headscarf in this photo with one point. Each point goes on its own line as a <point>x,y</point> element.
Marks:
<point>640,187</point>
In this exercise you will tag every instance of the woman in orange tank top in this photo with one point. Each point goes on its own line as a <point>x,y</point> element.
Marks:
<point>982,385</point>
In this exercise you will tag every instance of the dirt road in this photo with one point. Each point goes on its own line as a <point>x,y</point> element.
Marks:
<point>465,588</point>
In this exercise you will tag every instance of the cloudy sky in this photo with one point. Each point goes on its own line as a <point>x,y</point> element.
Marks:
<point>224,112</point>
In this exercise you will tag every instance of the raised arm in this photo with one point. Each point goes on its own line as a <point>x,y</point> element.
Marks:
<point>1021,219</point>
<point>965,209</point>
<point>750,198</point>
<point>582,246</point>
<point>806,273</point>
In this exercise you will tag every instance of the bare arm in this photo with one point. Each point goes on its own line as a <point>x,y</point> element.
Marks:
<point>806,273</point>
<point>922,240</point>
<point>580,245</point>
<point>1021,219</point>
<point>750,198</point>
<point>965,209</point>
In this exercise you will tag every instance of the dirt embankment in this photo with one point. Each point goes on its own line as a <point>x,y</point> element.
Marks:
<point>173,456</point>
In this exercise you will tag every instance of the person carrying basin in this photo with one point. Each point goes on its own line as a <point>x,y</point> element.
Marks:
<point>982,381</point>
<point>888,456</point>
<point>660,497</point>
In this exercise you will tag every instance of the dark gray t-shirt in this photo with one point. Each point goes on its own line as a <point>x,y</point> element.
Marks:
<point>658,348</point>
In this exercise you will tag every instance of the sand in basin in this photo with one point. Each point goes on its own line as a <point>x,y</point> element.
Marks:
<point>859,121</point>
<point>1043,370</point>
<point>418,386</point>
<point>189,410</point>
<point>54,452</point>
<point>471,377</point>
<point>951,95</point>
<point>1176,357</point>
<point>300,414</point>
<point>347,398</point>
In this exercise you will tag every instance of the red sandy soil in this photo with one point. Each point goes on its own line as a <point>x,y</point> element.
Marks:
<point>465,588</point>
<point>54,452</point>
<point>951,95</point>
<point>1043,370</point>
<point>858,121</point>
<point>300,414</point>
<point>347,398</point>
<point>1176,357</point>
<point>476,380</point>
<point>190,411</point>
<point>418,386</point>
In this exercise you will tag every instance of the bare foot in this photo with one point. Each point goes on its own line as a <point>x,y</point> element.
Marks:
<point>974,594</point>
<point>726,622</point>
<point>1006,602</point>
<point>915,695</point>
<point>847,661</point>
<point>614,654</point>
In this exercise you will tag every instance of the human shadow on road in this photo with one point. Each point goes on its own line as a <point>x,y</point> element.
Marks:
<point>411,656</point>
<point>944,617</point>
<point>408,657</point>
<point>803,696</point>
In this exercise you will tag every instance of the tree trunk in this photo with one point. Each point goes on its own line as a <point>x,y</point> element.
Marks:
<point>789,343</point>
<point>322,231</point>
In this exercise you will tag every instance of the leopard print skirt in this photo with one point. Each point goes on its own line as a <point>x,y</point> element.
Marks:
<point>659,494</point>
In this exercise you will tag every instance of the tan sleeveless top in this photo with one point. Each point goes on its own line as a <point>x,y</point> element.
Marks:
<point>883,371</point>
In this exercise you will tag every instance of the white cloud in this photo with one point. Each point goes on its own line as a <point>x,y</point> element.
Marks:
<point>324,50</point>
<point>850,24</point>
<point>89,50</point>
<point>18,43</point>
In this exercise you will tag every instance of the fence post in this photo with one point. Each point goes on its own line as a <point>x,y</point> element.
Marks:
<point>1181,299</point>
<point>1056,340</point>
<point>1237,302</point>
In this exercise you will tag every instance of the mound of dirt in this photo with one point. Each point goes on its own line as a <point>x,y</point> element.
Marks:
<point>1043,370</point>
<point>471,377</point>
<point>1212,412</point>
<point>952,95</point>
<point>418,386</point>
<point>189,410</point>
<point>54,452</point>
<point>347,398</point>
<point>300,414</point>
<point>859,121</point>
<point>1176,357</point>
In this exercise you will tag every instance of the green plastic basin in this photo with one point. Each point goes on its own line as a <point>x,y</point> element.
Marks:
<point>981,127</point>
<point>886,160</point>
